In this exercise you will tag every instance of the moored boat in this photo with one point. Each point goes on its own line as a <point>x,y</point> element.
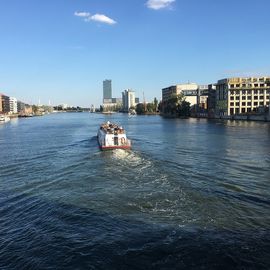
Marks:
<point>4,118</point>
<point>112,136</point>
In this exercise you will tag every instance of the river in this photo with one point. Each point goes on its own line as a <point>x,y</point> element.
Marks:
<point>191,194</point>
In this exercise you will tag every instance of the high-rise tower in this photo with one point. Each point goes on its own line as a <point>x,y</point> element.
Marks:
<point>107,91</point>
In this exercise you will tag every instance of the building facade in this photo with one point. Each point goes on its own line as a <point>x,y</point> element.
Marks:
<point>24,109</point>
<point>202,97</point>
<point>13,105</point>
<point>169,91</point>
<point>20,106</point>
<point>5,106</point>
<point>190,91</point>
<point>241,95</point>
<point>107,91</point>
<point>211,100</point>
<point>128,99</point>
<point>1,106</point>
<point>116,101</point>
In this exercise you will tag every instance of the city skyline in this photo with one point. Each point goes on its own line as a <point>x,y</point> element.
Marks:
<point>63,51</point>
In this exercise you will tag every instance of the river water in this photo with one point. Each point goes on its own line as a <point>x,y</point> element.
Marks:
<point>191,194</point>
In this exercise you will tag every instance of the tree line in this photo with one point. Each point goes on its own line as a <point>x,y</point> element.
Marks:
<point>176,106</point>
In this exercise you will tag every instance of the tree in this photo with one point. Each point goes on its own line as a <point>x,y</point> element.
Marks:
<point>155,104</point>
<point>177,105</point>
<point>140,108</point>
<point>150,107</point>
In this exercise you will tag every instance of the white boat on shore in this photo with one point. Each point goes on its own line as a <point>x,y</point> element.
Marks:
<point>4,118</point>
<point>111,136</point>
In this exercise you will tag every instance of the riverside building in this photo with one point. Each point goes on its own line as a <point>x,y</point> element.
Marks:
<point>13,105</point>
<point>1,106</point>
<point>128,99</point>
<point>5,104</point>
<point>241,95</point>
<point>107,91</point>
<point>211,100</point>
<point>190,91</point>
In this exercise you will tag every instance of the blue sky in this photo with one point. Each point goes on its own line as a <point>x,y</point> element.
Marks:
<point>62,50</point>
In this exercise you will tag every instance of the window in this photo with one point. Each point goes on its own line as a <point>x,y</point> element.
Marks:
<point>243,85</point>
<point>231,103</point>
<point>255,103</point>
<point>261,84</point>
<point>237,110</point>
<point>256,85</point>
<point>249,92</point>
<point>238,85</point>
<point>243,103</point>
<point>232,85</point>
<point>243,97</point>
<point>256,97</point>
<point>249,97</point>
<point>261,103</point>
<point>248,109</point>
<point>231,98</point>
<point>249,103</point>
<point>261,91</point>
<point>232,92</point>
<point>231,111</point>
<point>243,110</point>
<point>237,97</point>
<point>237,104</point>
<point>255,91</point>
<point>243,92</point>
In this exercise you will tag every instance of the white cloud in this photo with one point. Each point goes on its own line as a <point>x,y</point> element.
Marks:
<point>100,18</point>
<point>97,17</point>
<point>159,4</point>
<point>82,14</point>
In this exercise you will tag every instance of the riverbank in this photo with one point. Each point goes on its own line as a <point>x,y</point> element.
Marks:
<point>250,117</point>
<point>261,118</point>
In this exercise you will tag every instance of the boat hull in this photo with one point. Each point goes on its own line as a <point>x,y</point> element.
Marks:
<point>105,148</point>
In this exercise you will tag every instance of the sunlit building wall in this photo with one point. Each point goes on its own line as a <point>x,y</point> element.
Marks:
<point>128,99</point>
<point>242,95</point>
<point>13,105</point>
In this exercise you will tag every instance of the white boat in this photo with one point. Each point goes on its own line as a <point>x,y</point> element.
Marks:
<point>4,118</point>
<point>132,112</point>
<point>111,136</point>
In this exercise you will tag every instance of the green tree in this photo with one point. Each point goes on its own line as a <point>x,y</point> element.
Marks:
<point>140,108</point>
<point>150,107</point>
<point>177,105</point>
<point>155,104</point>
